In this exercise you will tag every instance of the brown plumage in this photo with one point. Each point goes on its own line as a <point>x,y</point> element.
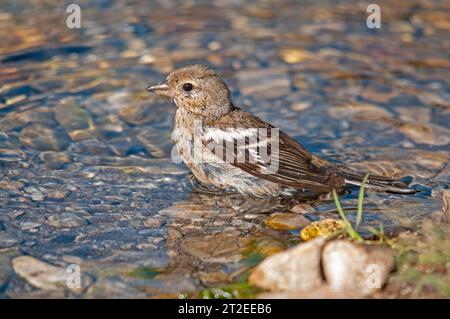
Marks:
<point>222,146</point>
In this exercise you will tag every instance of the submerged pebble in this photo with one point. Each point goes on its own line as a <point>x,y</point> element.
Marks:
<point>322,228</point>
<point>44,138</point>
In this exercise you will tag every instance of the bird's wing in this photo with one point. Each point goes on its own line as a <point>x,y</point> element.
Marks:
<point>260,149</point>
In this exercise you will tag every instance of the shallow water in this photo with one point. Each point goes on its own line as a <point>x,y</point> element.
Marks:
<point>85,171</point>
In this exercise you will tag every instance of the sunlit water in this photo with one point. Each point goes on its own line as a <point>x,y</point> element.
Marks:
<point>85,166</point>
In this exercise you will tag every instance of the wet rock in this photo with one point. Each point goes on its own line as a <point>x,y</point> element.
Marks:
<point>44,138</point>
<point>45,276</point>
<point>323,228</point>
<point>11,155</point>
<point>213,278</point>
<point>146,246</point>
<point>5,268</point>
<point>264,83</point>
<point>416,162</point>
<point>446,204</point>
<point>93,147</point>
<point>66,220</point>
<point>153,222</point>
<point>220,248</point>
<point>414,114</point>
<point>12,186</point>
<point>37,194</point>
<point>292,56</point>
<point>55,160</point>
<point>379,95</point>
<point>286,221</point>
<point>74,119</point>
<point>123,146</point>
<point>30,225</point>
<point>422,133</point>
<point>361,269</point>
<point>296,269</point>
<point>113,288</point>
<point>174,282</point>
<point>138,114</point>
<point>366,112</point>
<point>300,106</point>
<point>190,211</point>
<point>57,193</point>
<point>303,209</point>
<point>157,144</point>
<point>323,292</point>
<point>8,239</point>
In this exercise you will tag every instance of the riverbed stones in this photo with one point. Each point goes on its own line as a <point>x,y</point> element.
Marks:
<point>12,186</point>
<point>153,222</point>
<point>303,209</point>
<point>113,287</point>
<point>220,248</point>
<point>76,121</point>
<point>268,83</point>
<point>267,246</point>
<point>66,220</point>
<point>323,228</point>
<point>44,138</point>
<point>446,204</point>
<point>296,269</point>
<point>426,133</point>
<point>358,268</point>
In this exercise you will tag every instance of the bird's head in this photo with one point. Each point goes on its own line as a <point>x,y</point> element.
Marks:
<point>197,89</point>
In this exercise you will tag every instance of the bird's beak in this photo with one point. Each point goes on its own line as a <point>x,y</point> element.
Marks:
<point>160,89</point>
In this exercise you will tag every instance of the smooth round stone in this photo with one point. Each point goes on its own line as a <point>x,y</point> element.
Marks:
<point>321,228</point>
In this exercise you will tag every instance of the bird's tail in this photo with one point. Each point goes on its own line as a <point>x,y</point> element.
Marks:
<point>378,183</point>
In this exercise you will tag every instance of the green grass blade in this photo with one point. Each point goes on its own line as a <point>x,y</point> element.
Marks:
<point>360,202</point>
<point>339,208</point>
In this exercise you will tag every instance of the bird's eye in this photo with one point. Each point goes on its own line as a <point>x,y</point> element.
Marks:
<point>187,87</point>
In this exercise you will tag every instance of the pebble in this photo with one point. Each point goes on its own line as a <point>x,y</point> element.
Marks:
<point>44,138</point>
<point>267,246</point>
<point>153,222</point>
<point>361,269</point>
<point>426,133</point>
<point>29,225</point>
<point>12,186</point>
<point>8,239</point>
<point>111,287</point>
<point>66,220</point>
<point>303,209</point>
<point>220,248</point>
<point>296,269</point>
<point>323,228</point>
<point>286,221</point>
<point>264,83</point>
<point>55,160</point>
<point>45,276</point>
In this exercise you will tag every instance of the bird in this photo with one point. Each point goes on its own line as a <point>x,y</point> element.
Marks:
<point>229,148</point>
